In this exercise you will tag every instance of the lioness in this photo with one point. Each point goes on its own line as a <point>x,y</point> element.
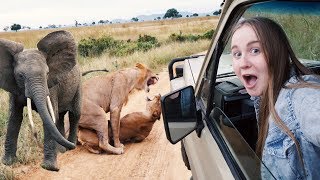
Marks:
<point>134,127</point>
<point>108,93</point>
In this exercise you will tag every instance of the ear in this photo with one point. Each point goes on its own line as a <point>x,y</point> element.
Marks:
<point>140,66</point>
<point>60,49</point>
<point>7,51</point>
<point>156,114</point>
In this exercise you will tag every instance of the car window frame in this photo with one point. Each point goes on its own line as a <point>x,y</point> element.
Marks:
<point>207,107</point>
<point>232,15</point>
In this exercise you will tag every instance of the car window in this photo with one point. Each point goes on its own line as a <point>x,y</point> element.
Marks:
<point>299,20</point>
<point>242,152</point>
<point>233,112</point>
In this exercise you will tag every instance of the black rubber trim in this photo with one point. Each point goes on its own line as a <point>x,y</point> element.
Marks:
<point>170,65</point>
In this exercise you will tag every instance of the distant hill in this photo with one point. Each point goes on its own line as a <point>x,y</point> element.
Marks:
<point>155,16</point>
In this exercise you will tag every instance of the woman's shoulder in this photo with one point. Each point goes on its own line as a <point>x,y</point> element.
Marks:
<point>312,78</point>
<point>306,108</point>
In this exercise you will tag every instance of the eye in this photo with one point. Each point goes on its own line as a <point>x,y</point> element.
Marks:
<point>255,51</point>
<point>237,54</point>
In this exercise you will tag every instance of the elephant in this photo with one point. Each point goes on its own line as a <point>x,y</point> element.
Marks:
<point>48,80</point>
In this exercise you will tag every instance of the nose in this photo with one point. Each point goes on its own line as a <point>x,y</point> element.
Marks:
<point>244,62</point>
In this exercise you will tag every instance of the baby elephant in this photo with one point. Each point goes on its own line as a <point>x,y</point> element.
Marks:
<point>134,127</point>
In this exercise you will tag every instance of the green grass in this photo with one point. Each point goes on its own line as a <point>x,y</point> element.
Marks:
<point>303,32</point>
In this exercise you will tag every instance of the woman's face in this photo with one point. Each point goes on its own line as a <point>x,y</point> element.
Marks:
<point>248,60</point>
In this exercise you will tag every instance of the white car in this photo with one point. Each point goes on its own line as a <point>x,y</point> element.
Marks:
<point>208,109</point>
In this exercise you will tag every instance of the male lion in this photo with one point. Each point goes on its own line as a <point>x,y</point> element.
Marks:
<point>108,93</point>
<point>134,127</point>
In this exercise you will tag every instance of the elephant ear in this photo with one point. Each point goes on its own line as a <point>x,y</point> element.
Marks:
<point>60,49</point>
<point>7,51</point>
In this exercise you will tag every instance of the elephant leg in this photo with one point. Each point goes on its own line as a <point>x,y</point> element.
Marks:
<point>60,123</point>
<point>60,126</point>
<point>50,153</point>
<point>74,117</point>
<point>74,121</point>
<point>14,124</point>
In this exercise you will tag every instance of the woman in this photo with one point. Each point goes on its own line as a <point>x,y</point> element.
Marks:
<point>286,97</point>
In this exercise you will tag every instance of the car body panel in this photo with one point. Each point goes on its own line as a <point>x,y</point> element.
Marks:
<point>210,150</point>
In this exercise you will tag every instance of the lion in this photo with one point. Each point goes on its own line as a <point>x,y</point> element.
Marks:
<point>134,127</point>
<point>108,93</point>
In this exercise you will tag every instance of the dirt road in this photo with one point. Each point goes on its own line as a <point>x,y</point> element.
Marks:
<point>153,158</point>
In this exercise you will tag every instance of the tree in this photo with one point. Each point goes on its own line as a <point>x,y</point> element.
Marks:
<point>134,19</point>
<point>101,22</point>
<point>15,27</point>
<point>217,12</point>
<point>6,28</point>
<point>195,14</point>
<point>172,13</point>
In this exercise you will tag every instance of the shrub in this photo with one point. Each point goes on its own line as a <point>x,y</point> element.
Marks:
<point>123,49</point>
<point>208,34</point>
<point>146,42</point>
<point>182,38</point>
<point>95,47</point>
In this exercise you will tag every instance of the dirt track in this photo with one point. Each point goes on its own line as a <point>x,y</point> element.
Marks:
<point>153,158</point>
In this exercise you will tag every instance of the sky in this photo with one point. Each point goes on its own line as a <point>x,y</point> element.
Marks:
<point>35,13</point>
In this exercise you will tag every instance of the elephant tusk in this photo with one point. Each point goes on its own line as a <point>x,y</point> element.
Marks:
<point>30,114</point>
<point>51,109</point>
<point>35,134</point>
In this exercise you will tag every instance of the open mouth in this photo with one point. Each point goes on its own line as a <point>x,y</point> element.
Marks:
<point>152,80</point>
<point>250,80</point>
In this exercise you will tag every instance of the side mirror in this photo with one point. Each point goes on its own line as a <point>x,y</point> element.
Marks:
<point>179,113</point>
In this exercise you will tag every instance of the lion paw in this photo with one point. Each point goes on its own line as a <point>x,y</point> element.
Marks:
<point>119,150</point>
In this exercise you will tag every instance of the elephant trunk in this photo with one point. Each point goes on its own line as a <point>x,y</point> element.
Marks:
<point>39,97</point>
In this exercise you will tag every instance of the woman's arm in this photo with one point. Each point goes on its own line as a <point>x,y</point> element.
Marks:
<point>306,106</point>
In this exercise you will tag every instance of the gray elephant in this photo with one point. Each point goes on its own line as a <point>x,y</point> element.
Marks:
<point>37,77</point>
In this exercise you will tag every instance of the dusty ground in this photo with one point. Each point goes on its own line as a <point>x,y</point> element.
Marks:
<point>153,158</point>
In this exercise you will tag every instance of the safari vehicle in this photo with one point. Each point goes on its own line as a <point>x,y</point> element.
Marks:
<point>208,109</point>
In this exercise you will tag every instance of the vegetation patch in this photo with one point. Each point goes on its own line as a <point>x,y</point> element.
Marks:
<point>190,37</point>
<point>92,47</point>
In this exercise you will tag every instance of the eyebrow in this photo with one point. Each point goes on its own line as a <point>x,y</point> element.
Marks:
<point>251,42</point>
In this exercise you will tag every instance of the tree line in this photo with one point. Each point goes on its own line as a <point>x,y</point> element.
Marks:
<point>170,13</point>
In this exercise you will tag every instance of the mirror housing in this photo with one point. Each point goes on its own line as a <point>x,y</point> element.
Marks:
<point>179,113</point>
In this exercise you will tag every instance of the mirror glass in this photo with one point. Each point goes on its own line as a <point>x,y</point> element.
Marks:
<point>179,113</point>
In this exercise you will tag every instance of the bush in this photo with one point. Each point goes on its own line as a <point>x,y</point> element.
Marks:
<point>95,47</point>
<point>123,49</point>
<point>146,43</point>
<point>183,38</point>
<point>208,34</point>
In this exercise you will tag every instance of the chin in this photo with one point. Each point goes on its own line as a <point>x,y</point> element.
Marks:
<point>254,93</point>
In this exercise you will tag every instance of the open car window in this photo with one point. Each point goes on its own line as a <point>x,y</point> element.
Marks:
<point>233,112</point>
<point>299,20</point>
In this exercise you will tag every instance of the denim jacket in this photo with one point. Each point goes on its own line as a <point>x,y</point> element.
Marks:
<point>299,109</point>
